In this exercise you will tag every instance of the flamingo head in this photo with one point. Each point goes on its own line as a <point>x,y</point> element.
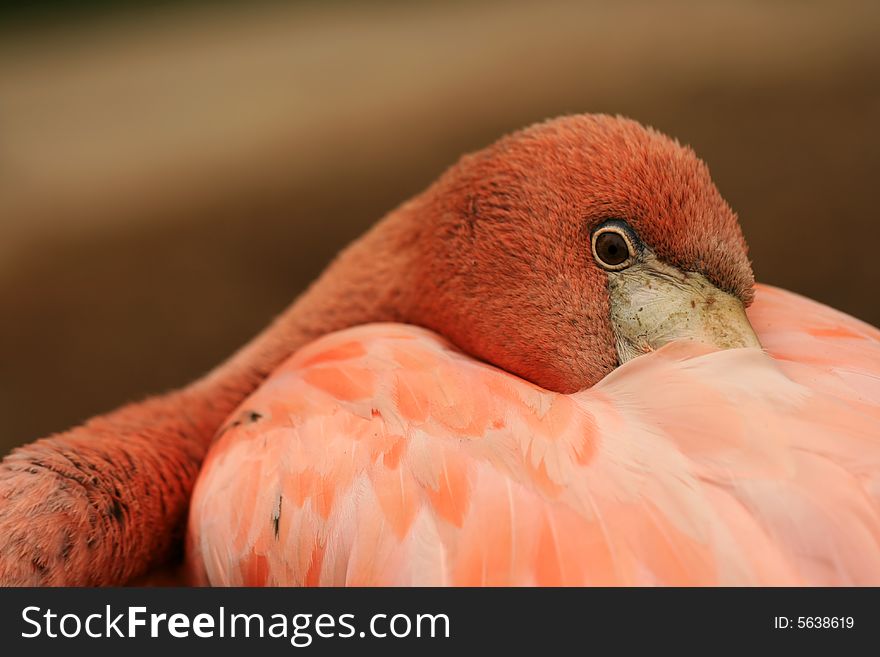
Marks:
<point>571,247</point>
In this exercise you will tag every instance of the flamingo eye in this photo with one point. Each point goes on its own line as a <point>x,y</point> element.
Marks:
<point>612,247</point>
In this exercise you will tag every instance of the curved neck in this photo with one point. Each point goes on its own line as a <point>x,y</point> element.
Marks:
<point>143,459</point>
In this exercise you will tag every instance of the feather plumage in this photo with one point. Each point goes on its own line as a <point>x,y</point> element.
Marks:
<point>380,455</point>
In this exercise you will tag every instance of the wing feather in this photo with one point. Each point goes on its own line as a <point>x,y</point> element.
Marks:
<point>382,456</point>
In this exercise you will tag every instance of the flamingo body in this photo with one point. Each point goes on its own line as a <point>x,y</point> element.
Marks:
<point>381,455</point>
<point>585,258</point>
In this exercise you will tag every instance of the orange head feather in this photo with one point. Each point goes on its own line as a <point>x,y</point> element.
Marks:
<point>502,255</point>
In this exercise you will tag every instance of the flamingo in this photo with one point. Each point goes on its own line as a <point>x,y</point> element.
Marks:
<point>552,367</point>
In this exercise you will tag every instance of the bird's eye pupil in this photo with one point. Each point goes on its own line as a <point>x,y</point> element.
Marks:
<point>611,248</point>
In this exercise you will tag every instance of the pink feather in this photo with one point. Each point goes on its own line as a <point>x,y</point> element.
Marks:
<point>380,455</point>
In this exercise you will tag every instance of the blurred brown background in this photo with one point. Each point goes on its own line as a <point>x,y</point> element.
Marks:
<point>171,177</point>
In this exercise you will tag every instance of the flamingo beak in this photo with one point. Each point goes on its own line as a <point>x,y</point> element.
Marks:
<point>653,303</point>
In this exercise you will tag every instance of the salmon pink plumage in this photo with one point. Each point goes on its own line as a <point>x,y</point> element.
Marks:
<point>381,455</point>
<point>512,378</point>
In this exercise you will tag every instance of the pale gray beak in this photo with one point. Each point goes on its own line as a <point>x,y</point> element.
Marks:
<point>653,303</point>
